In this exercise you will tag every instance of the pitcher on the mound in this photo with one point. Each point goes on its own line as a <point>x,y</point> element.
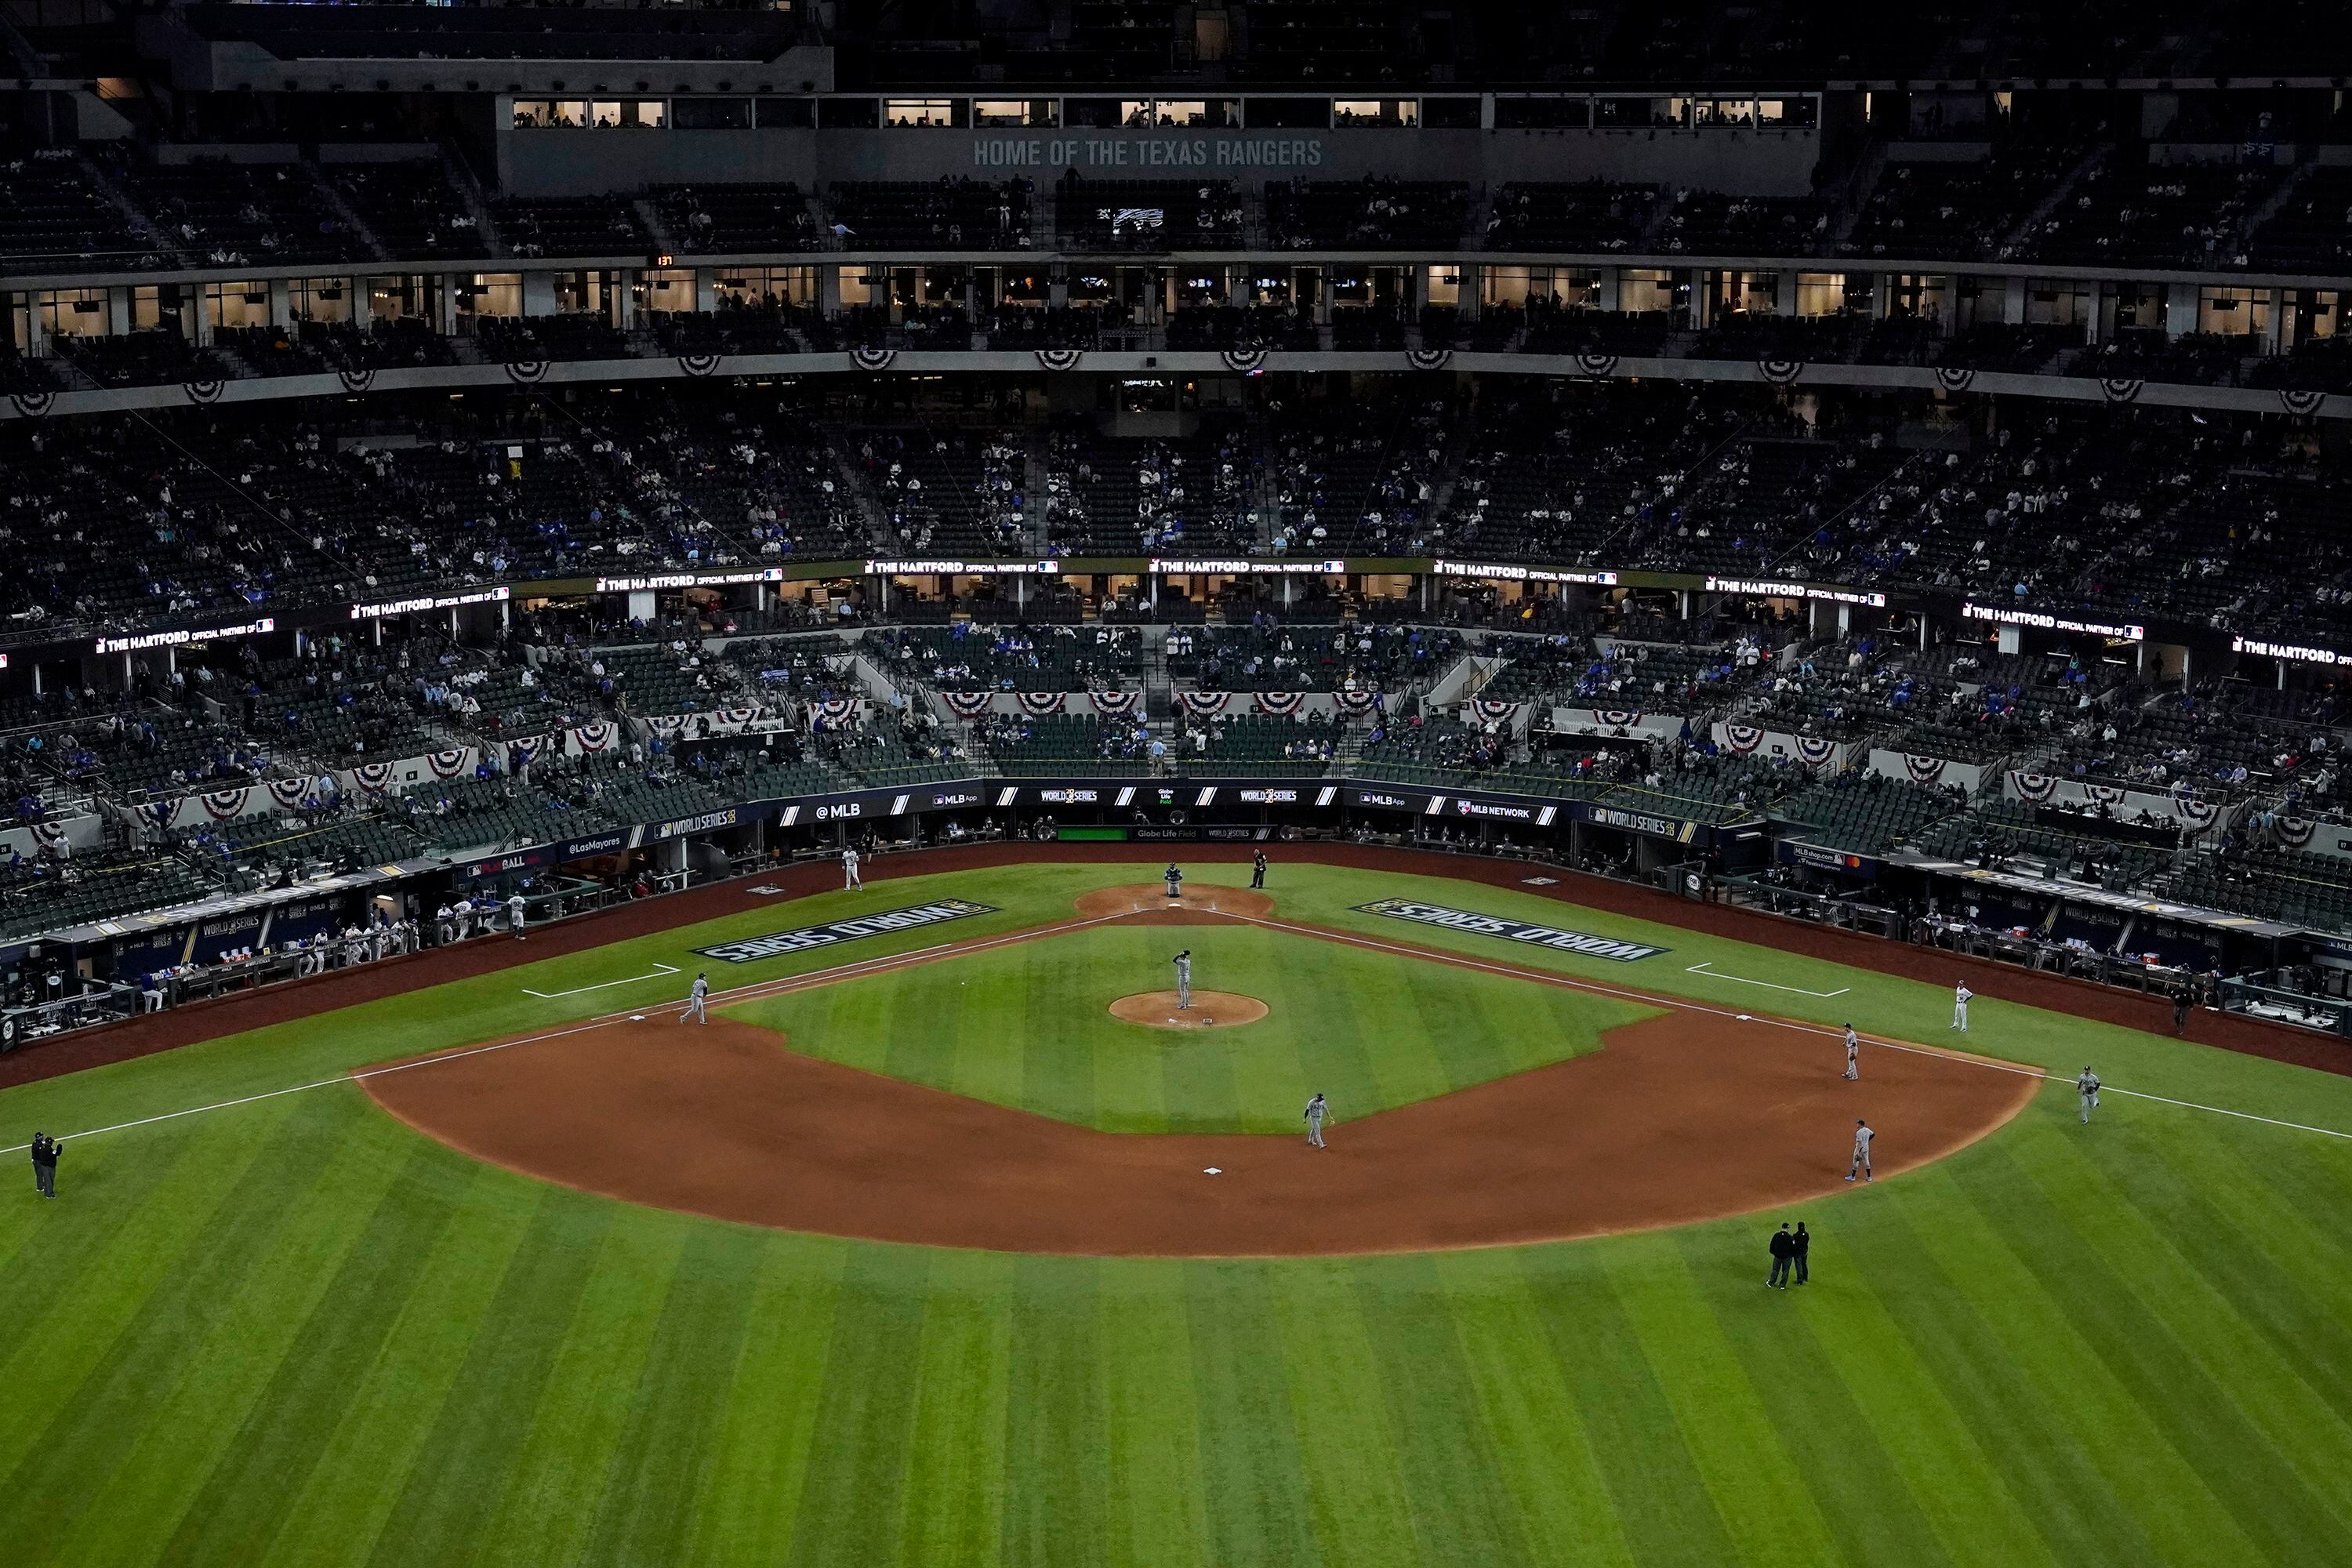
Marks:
<point>696,1007</point>
<point>1185,978</point>
<point>1862,1137</point>
<point>1961,995</point>
<point>1316,1112</point>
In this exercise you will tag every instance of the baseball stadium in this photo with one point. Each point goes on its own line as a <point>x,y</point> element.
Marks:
<point>1070,783</point>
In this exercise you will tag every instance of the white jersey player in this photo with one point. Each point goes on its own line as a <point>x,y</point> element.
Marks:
<point>696,1002</point>
<point>1185,978</point>
<point>1862,1137</point>
<point>850,882</point>
<point>1961,995</point>
<point>1316,1109</point>
<point>1852,1053</point>
<point>2086,1089</point>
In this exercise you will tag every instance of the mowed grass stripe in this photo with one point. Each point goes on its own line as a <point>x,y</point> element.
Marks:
<point>232,1348</point>
<point>2133,1335</point>
<point>454,1486</point>
<point>1864,1497</point>
<point>1663,1507</point>
<point>1767,1505</point>
<point>2268,1388</point>
<point>1350,1455</point>
<point>386,1418</point>
<point>2111,1466</point>
<point>853,1490</point>
<point>952,1475</point>
<point>232,1519</point>
<point>1155,1503</point>
<point>1251,1467</point>
<point>63,1465</point>
<point>746,1506</point>
<point>1542,1445</point>
<point>1460,1509</point>
<point>1054,1476</point>
<point>2282,1275</point>
<point>659,1456</point>
<point>89,1278</point>
<point>1907,1400</point>
<point>2048,1461</point>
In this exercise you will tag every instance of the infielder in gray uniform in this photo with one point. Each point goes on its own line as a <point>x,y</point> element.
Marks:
<point>1852,1053</point>
<point>1185,978</point>
<point>695,1003</point>
<point>2087,1087</point>
<point>1316,1112</point>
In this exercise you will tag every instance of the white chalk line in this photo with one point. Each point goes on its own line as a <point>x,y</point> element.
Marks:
<point>784,984</point>
<point>659,971</point>
<point>1767,984</point>
<point>1571,983</point>
<point>780,985</point>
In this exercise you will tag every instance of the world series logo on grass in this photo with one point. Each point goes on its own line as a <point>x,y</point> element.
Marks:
<point>1553,937</point>
<point>776,944</point>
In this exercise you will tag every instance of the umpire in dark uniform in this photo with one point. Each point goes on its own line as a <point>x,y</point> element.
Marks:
<point>45,1164</point>
<point>1257,870</point>
<point>1784,1253</point>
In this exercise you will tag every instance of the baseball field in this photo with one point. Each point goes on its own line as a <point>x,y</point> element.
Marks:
<point>914,1253</point>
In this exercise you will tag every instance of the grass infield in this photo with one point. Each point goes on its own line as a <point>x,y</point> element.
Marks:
<point>296,1332</point>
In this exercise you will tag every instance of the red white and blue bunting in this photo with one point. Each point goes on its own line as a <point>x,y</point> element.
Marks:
<point>966,704</point>
<point>2197,815</point>
<point>1246,361</point>
<point>1428,359</point>
<point>1059,359</point>
<point>1814,753</point>
<point>220,804</point>
<point>1495,713</point>
<point>834,712</point>
<point>668,726</point>
<point>1618,718</point>
<point>1923,770</point>
<point>50,834</point>
<point>1203,704</point>
<point>1281,704</point>
<point>373,777</point>
<point>596,737</point>
<point>1355,702</point>
<point>1037,704</point>
<point>1118,704</point>
<point>873,359</point>
<point>1742,738</point>
<point>289,792</point>
<point>2035,787</point>
<point>448,764</point>
<point>2295,831</point>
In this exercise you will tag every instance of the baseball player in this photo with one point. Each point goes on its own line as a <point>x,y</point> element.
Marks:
<point>1961,995</point>
<point>1175,881</point>
<point>2086,1089</point>
<point>1316,1109</point>
<point>1862,1137</point>
<point>697,1004</point>
<point>1184,979</point>
<point>1852,1053</point>
<point>514,914</point>
<point>850,882</point>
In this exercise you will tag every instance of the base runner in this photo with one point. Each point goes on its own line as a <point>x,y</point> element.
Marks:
<point>696,1002</point>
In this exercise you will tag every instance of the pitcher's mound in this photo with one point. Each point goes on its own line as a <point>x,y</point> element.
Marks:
<point>1150,904</point>
<point>1209,1009</point>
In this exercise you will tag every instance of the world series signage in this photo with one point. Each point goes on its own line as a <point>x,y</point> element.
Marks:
<point>776,944</point>
<point>1553,937</point>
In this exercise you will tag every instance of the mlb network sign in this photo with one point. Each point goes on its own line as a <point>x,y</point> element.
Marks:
<point>776,944</point>
<point>1552,937</point>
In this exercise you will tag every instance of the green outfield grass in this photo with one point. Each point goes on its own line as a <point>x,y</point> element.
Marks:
<point>295,1332</point>
<point>1028,1026</point>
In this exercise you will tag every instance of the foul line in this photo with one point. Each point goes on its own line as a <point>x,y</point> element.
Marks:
<point>787,983</point>
<point>659,970</point>
<point>1770,985</point>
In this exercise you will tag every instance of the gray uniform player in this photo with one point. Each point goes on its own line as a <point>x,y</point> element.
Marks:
<point>1961,995</point>
<point>1862,1137</point>
<point>696,1002</point>
<point>1185,978</point>
<point>2086,1089</point>
<point>1175,878</point>
<point>1852,1053</point>
<point>850,882</point>
<point>1316,1109</point>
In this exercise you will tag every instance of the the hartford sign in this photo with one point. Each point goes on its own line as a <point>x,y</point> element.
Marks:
<point>1147,151</point>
